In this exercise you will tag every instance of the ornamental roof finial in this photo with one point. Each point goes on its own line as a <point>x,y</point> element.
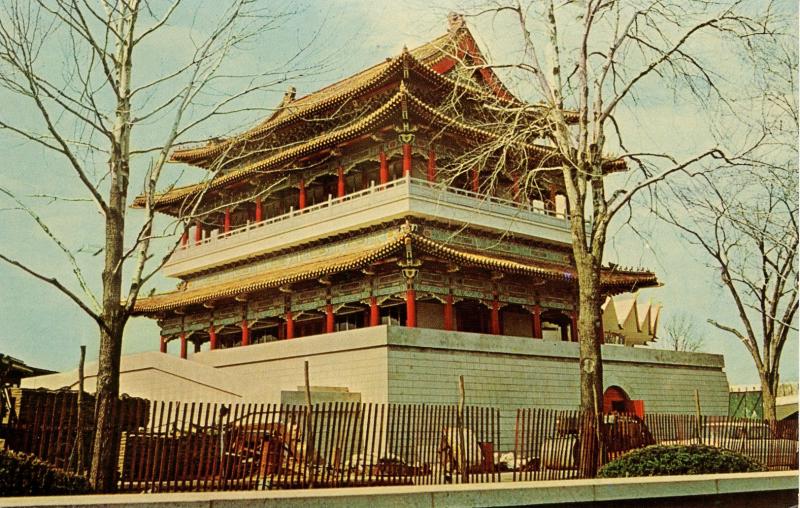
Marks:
<point>455,21</point>
<point>288,97</point>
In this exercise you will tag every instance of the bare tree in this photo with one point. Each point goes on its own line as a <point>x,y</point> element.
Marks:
<point>86,106</point>
<point>587,62</point>
<point>680,334</point>
<point>745,219</point>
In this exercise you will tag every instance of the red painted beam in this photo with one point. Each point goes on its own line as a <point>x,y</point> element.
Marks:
<point>431,166</point>
<point>245,333</point>
<point>411,308</point>
<point>183,345</point>
<point>384,172</point>
<point>340,187</point>
<point>537,322</point>
<point>259,211</point>
<point>406,159</point>
<point>289,325</point>
<point>301,203</point>
<point>448,313</point>
<point>329,319</point>
<point>374,312</point>
<point>212,334</point>
<point>495,322</point>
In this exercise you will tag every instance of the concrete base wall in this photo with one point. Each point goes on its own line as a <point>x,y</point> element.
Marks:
<point>355,359</point>
<point>154,376</point>
<point>512,372</point>
<point>403,365</point>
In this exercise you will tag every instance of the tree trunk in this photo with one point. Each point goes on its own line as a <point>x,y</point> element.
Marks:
<point>769,389</point>
<point>104,449</point>
<point>591,362</point>
<point>114,317</point>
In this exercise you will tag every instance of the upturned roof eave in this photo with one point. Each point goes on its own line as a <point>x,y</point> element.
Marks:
<point>616,280</point>
<point>296,110</point>
<point>373,120</point>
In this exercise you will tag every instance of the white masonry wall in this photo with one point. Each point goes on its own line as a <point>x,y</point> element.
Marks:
<point>155,376</point>
<point>355,359</point>
<point>512,372</point>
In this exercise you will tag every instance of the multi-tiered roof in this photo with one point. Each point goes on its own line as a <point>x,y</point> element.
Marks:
<point>272,245</point>
<point>411,88</point>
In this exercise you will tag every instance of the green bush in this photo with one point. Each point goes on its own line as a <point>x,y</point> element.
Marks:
<point>26,475</point>
<point>664,460</point>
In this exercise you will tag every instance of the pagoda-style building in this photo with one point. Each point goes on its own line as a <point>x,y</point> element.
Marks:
<point>337,231</point>
<point>339,212</point>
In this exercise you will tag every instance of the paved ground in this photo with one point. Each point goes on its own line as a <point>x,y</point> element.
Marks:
<point>751,490</point>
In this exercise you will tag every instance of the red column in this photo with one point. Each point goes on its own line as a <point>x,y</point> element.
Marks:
<point>573,322</point>
<point>289,325</point>
<point>475,182</point>
<point>163,345</point>
<point>183,345</point>
<point>431,166</point>
<point>340,190</point>
<point>212,335</point>
<point>198,233</point>
<point>184,239</point>
<point>374,313</point>
<point>384,172</point>
<point>245,333</point>
<point>448,313</point>
<point>259,212</point>
<point>226,226</point>
<point>301,203</point>
<point>537,322</point>
<point>329,321</point>
<point>406,159</point>
<point>495,322</point>
<point>411,308</point>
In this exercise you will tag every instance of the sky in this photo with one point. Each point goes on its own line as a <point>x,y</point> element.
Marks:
<point>338,38</point>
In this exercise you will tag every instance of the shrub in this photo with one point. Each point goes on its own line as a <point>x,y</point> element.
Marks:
<point>26,475</point>
<point>664,460</point>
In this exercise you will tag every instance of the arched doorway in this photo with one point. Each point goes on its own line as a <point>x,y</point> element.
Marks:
<point>615,399</point>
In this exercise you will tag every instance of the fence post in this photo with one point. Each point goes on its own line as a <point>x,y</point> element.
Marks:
<point>309,430</point>
<point>79,435</point>
<point>461,439</point>
<point>698,416</point>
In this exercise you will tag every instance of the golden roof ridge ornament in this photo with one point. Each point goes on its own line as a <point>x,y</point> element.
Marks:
<point>410,265</point>
<point>455,22</point>
<point>406,131</point>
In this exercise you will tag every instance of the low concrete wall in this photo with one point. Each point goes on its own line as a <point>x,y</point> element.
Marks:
<point>156,376</point>
<point>752,490</point>
<point>403,365</point>
<point>512,372</point>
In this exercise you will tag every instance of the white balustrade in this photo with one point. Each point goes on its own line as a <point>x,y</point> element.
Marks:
<point>436,194</point>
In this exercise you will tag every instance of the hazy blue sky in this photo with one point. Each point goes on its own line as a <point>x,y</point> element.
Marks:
<point>43,328</point>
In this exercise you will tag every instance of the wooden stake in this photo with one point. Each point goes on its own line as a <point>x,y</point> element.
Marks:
<point>309,430</point>
<point>697,409</point>
<point>462,462</point>
<point>79,436</point>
